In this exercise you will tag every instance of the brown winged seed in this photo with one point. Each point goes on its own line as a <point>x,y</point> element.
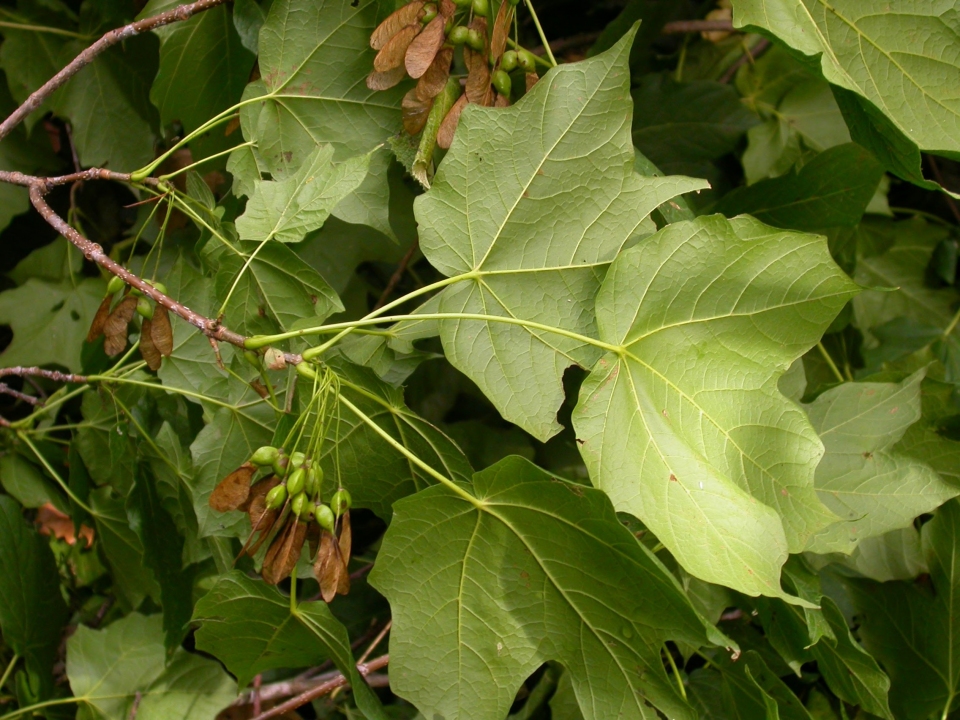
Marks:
<point>424,48</point>
<point>386,80</point>
<point>329,566</point>
<point>406,15</point>
<point>435,78</point>
<point>161,332</point>
<point>147,347</point>
<point>501,28</point>
<point>284,553</point>
<point>234,490</point>
<point>391,55</point>
<point>115,328</point>
<point>449,125</point>
<point>100,319</point>
<point>414,112</point>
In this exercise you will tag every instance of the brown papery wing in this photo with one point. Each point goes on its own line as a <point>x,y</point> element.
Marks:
<point>161,331</point>
<point>414,112</point>
<point>234,490</point>
<point>328,566</point>
<point>392,54</point>
<point>449,125</point>
<point>345,545</point>
<point>283,555</point>
<point>425,47</point>
<point>148,349</point>
<point>407,15</point>
<point>100,319</point>
<point>435,78</point>
<point>115,328</point>
<point>386,80</point>
<point>501,30</point>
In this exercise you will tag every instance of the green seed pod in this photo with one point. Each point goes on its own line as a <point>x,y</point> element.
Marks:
<point>306,370</point>
<point>340,502</point>
<point>115,285</point>
<point>145,308</point>
<point>275,497</point>
<point>314,481</point>
<point>458,36</point>
<point>325,517</point>
<point>298,459</point>
<point>509,60</point>
<point>281,464</point>
<point>429,13</point>
<point>475,39</point>
<point>526,61</point>
<point>300,505</point>
<point>296,481</point>
<point>481,7</point>
<point>501,81</point>
<point>159,286</point>
<point>264,456</point>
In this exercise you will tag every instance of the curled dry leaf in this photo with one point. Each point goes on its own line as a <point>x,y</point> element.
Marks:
<point>386,80</point>
<point>329,566</point>
<point>115,328</point>
<point>233,491</point>
<point>501,101</point>
<point>414,112</point>
<point>100,319</point>
<point>449,125</point>
<point>147,347</point>
<point>161,331</point>
<point>51,521</point>
<point>425,47</point>
<point>501,29</point>
<point>392,54</point>
<point>284,553</point>
<point>407,15</point>
<point>436,76</point>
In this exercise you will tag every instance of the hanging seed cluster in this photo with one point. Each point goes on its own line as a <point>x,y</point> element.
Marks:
<point>112,321</point>
<point>283,493</point>
<point>421,40</point>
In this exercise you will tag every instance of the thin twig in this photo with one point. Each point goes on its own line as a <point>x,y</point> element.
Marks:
<point>339,680</point>
<point>678,27</point>
<point>752,54</point>
<point>397,274</point>
<point>54,375</point>
<point>376,641</point>
<point>357,574</point>
<point>7,390</point>
<point>939,177</point>
<point>36,99</point>
<point>257,680</point>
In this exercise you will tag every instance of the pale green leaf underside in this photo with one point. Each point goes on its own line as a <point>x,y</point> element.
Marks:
<point>484,593</point>
<point>862,478</point>
<point>685,428</point>
<point>286,210</point>
<point>533,202</point>
<point>111,669</point>
<point>902,57</point>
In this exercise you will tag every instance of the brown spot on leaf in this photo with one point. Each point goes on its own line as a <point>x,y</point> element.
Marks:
<point>673,478</point>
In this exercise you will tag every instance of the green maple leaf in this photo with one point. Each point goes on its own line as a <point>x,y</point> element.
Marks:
<point>484,590</point>
<point>530,205</point>
<point>863,477</point>
<point>684,426</point>
<point>874,51</point>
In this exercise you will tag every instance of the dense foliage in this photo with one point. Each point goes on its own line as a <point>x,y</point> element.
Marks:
<point>382,359</point>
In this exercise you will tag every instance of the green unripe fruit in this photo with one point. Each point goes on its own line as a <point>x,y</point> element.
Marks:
<point>159,286</point>
<point>458,36</point>
<point>300,505</point>
<point>275,497</point>
<point>115,285</point>
<point>297,459</point>
<point>340,502</point>
<point>463,3</point>
<point>280,465</point>
<point>509,60</point>
<point>264,456</point>
<point>429,13</point>
<point>514,2</point>
<point>481,7</point>
<point>501,81</point>
<point>145,308</point>
<point>306,370</point>
<point>296,481</point>
<point>314,481</point>
<point>526,61</point>
<point>475,39</point>
<point>325,517</point>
